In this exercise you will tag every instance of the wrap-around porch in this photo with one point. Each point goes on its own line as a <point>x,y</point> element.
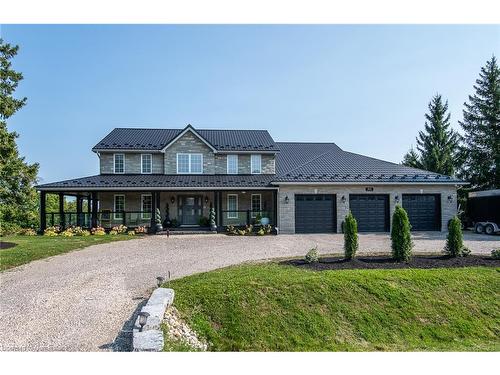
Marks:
<point>178,208</point>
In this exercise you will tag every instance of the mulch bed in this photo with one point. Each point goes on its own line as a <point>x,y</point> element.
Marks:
<point>384,262</point>
<point>6,245</point>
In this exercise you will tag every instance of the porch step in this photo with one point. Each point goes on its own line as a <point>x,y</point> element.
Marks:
<point>178,231</point>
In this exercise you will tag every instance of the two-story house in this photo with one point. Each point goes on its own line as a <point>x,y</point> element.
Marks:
<point>245,175</point>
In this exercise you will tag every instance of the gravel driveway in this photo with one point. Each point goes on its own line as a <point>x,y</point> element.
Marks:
<point>86,299</point>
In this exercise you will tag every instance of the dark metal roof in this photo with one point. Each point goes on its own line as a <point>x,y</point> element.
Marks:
<point>113,181</point>
<point>323,163</point>
<point>157,139</point>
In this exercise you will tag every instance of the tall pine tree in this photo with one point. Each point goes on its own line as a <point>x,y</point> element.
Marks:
<point>437,144</point>
<point>481,125</point>
<point>18,198</point>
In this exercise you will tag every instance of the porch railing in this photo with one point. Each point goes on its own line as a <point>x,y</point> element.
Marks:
<point>245,217</point>
<point>106,219</point>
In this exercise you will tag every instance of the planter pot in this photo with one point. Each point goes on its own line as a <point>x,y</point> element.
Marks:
<point>158,227</point>
<point>264,221</point>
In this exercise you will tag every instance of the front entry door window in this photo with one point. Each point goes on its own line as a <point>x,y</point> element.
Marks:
<point>190,209</point>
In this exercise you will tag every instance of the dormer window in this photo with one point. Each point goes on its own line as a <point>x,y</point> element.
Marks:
<point>119,163</point>
<point>256,164</point>
<point>189,163</point>
<point>232,164</point>
<point>146,163</point>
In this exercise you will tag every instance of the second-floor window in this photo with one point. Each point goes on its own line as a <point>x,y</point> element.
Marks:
<point>256,164</point>
<point>232,164</point>
<point>190,163</point>
<point>146,163</point>
<point>119,163</point>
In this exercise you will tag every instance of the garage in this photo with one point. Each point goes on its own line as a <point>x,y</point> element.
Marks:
<point>371,211</point>
<point>423,211</point>
<point>315,213</point>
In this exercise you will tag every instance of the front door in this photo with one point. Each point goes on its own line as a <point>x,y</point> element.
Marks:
<point>190,209</point>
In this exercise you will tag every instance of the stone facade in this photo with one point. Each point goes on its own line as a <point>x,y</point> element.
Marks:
<point>189,143</point>
<point>213,163</point>
<point>132,162</point>
<point>286,212</point>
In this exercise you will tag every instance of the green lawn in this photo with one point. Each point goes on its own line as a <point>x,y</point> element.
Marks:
<point>30,248</point>
<point>271,307</point>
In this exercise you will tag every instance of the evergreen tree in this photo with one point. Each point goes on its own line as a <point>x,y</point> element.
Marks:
<point>437,145</point>
<point>18,198</point>
<point>481,125</point>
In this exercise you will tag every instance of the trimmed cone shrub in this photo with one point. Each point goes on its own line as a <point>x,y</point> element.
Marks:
<point>312,256</point>
<point>400,235</point>
<point>455,240</point>
<point>350,236</point>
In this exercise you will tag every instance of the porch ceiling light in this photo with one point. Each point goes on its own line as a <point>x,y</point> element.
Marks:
<point>172,199</point>
<point>143,317</point>
<point>287,200</point>
<point>206,199</point>
<point>159,281</point>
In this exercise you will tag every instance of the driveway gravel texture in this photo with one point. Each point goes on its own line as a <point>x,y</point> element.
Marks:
<point>86,300</point>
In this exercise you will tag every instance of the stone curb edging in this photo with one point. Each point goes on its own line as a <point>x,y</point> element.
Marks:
<point>151,337</point>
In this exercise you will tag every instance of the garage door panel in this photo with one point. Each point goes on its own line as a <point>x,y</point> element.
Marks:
<point>371,211</point>
<point>424,211</point>
<point>315,213</point>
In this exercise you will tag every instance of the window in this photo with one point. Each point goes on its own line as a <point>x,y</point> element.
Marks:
<point>190,163</point>
<point>119,163</point>
<point>232,164</point>
<point>146,163</point>
<point>119,206</point>
<point>232,206</point>
<point>256,164</point>
<point>147,204</point>
<point>256,205</point>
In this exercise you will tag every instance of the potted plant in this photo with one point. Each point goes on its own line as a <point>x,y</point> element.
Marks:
<point>158,226</point>
<point>167,223</point>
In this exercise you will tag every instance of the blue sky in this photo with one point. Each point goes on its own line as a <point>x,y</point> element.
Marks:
<point>365,88</point>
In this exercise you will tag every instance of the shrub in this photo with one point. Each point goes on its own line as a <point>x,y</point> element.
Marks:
<point>27,232</point>
<point>455,242</point>
<point>312,255</point>
<point>79,231</point>
<point>113,232</point>
<point>8,228</point>
<point>261,232</point>
<point>248,229</point>
<point>98,231</point>
<point>350,236</point>
<point>140,230</point>
<point>131,233</point>
<point>67,233</point>
<point>51,231</point>
<point>119,229</point>
<point>495,254</point>
<point>400,235</point>
<point>231,229</point>
<point>241,232</point>
<point>268,228</point>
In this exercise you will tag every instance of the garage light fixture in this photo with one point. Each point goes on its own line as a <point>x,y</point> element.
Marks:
<point>172,199</point>
<point>450,199</point>
<point>143,317</point>
<point>396,198</point>
<point>343,199</point>
<point>206,199</point>
<point>287,200</point>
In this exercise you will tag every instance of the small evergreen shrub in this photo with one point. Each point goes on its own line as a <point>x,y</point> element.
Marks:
<point>400,235</point>
<point>495,254</point>
<point>312,255</point>
<point>51,231</point>
<point>98,231</point>
<point>350,236</point>
<point>455,241</point>
<point>67,233</point>
<point>27,232</point>
<point>131,232</point>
